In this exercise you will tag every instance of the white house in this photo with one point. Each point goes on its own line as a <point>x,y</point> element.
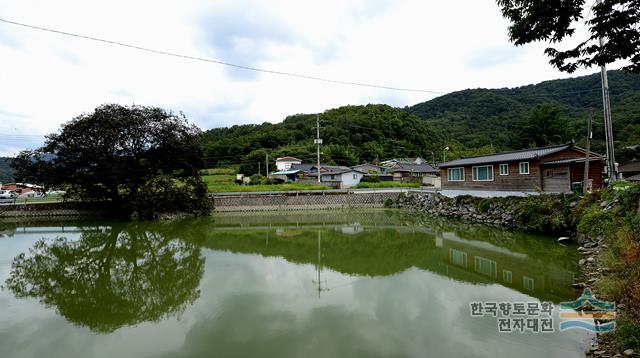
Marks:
<point>339,178</point>
<point>285,163</point>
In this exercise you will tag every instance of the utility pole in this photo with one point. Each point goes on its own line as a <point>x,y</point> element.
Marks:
<point>318,141</point>
<point>259,169</point>
<point>586,162</point>
<point>608,128</point>
<point>266,163</point>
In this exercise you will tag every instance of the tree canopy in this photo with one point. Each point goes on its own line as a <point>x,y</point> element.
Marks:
<point>553,21</point>
<point>543,126</point>
<point>137,157</point>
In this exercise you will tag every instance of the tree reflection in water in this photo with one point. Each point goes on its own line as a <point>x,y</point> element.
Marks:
<point>121,276</point>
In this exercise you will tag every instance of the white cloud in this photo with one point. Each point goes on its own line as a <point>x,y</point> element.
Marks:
<point>441,46</point>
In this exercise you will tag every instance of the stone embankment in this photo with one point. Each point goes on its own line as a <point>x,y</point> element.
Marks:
<point>242,202</point>
<point>71,208</point>
<point>497,211</point>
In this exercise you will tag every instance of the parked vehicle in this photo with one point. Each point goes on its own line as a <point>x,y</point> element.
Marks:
<point>8,194</point>
<point>31,194</point>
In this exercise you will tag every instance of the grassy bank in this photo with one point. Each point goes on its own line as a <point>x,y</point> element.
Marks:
<point>227,188</point>
<point>222,180</point>
<point>612,218</point>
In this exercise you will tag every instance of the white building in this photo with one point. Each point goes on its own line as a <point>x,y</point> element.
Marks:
<point>339,178</point>
<point>285,163</point>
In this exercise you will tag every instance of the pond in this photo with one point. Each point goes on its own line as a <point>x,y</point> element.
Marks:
<point>306,284</point>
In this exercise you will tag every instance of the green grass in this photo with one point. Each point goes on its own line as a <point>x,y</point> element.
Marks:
<point>225,188</point>
<point>219,179</point>
<point>230,170</point>
<point>387,184</point>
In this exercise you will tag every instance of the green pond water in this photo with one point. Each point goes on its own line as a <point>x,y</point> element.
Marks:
<point>306,284</point>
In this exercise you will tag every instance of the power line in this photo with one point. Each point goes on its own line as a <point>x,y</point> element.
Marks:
<point>219,62</point>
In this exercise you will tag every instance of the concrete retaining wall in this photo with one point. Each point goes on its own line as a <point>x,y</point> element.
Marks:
<point>298,201</point>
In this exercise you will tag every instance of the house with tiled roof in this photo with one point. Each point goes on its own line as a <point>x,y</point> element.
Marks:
<point>552,169</point>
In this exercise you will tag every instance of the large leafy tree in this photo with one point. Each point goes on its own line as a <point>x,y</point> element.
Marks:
<point>543,126</point>
<point>139,158</point>
<point>616,21</point>
<point>112,278</point>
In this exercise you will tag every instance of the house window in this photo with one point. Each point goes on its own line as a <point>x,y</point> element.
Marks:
<point>455,174</point>
<point>504,169</point>
<point>458,258</point>
<point>355,176</point>
<point>333,177</point>
<point>507,276</point>
<point>548,173</point>
<point>524,167</point>
<point>486,267</point>
<point>483,173</point>
<point>527,282</point>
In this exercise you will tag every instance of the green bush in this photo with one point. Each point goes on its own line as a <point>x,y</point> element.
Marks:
<point>596,222</point>
<point>370,179</point>
<point>543,213</point>
<point>484,205</point>
<point>388,203</point>
<point>257,179</point>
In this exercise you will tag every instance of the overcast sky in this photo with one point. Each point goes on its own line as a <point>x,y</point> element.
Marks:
<point>441,46</point>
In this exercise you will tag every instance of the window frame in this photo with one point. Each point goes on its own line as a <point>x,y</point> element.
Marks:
<point>504,165</point>
<point>474,172</point>
<point>455,168</point>
<point>520,168</point>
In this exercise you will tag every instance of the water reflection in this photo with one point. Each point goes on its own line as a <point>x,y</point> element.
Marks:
<point>121,274</point>
<point>114,277</point>
<point>381,245</point>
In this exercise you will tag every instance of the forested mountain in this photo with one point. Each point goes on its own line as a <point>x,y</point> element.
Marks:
<point>6,172</point>
<point>493,117</point>
<point>351,135</point>
<point>468,122</point>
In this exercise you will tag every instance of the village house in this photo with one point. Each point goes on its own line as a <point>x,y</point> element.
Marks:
<point>392,162</point>
<point>369,168</point>
<point>412,170</point>
<point>285,163</point>
<point>338,177</point>
<point>551,169</point>
<point>22,188</point>
<point>630,170</point>
<point>334,176</point>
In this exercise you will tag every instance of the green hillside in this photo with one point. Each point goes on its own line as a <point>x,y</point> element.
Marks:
<point>473,121</point>
<point>485,117</point>
<point>351,134</point>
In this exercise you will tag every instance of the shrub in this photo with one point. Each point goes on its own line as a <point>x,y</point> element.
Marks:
<point>542,213</point>
<point>257,179</point>
<point>388,203</point>
<point>484,205</point>
<point>597,222</point>
<point>370,179</point>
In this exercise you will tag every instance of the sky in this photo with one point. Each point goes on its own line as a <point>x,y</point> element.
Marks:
<point>438,47</point>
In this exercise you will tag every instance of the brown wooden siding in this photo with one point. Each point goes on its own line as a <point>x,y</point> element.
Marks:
<point>556,179</point>
<point>563,175</point>
<point>595,173</point>
<point>512,182</point>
